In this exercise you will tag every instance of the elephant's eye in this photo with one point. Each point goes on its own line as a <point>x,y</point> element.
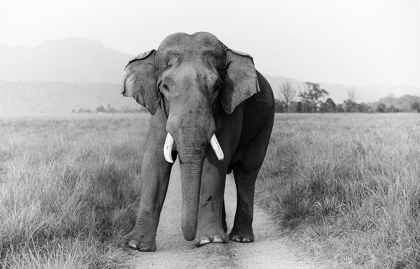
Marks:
<point>163,87</point>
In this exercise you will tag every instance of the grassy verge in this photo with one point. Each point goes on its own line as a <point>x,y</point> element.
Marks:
<point>348,186</point>
<point>68,189</point>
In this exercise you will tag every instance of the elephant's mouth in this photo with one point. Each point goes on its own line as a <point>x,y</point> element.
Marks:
<point>169,142</point>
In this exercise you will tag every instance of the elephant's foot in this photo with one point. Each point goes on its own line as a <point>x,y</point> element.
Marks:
<point>238,235</point>
<point>138,242</point>
<point>216,237</point>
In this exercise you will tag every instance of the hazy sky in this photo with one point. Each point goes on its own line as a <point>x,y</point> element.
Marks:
<point>354,42</point>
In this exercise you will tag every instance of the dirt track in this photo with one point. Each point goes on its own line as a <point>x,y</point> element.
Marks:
<point>270,250</point>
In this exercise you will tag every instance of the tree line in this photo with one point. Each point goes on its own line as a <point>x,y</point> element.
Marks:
<point>311,98</point>
<point>110,109</point>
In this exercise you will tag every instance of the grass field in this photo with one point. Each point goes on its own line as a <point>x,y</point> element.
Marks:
<point>346,187</point>
<point>67,189</point>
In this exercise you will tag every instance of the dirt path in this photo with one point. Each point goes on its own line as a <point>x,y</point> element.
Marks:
<point>268,251</point>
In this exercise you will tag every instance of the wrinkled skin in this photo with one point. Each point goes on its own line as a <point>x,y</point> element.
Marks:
<point>194,86</point>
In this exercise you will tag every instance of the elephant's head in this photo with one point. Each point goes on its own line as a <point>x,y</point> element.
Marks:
<point>188,77</point>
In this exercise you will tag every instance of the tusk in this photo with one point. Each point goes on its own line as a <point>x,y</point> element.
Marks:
<point>167,148</point>
<point>216,147</point>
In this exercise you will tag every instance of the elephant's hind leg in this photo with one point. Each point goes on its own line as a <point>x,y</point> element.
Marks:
<point>245,173</point>
<point>245,185</point>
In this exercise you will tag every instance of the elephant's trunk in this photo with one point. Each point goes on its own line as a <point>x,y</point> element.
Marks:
<point>191,181</point>
<point>191,152</point>
<point>190,141</point>
<point>191,162</point>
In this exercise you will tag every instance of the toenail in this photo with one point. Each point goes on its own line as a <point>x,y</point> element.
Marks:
<point>204,241</point>
<point>236,238</point>
<point>133,244</point>
<point>217,239</point>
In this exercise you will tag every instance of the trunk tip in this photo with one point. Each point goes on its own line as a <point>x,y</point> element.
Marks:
<point>188,235</point>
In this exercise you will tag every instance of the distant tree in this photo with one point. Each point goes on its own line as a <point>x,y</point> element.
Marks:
<point>100,109</point>
<point>303,105</point>
<point>82,110</point>
<point>364,108</point>
<point>381,108</point>
<point>280,106</point>
<point>350,104</point>
<point>392,109</point>
<point>299,107</point>
<point>287,93</point>
<point>415,106</point>
<point>352,94</point>
<point>328,106</point>
<point>110,109</point>
<point>311,95</point>
<point>293,107</point>
<point>339,108</point>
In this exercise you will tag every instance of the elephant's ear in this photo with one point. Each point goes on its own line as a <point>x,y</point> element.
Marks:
<point>240,80</point>
<point>140,81</point>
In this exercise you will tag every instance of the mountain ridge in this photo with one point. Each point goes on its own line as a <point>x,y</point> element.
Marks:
<point>72,60</point>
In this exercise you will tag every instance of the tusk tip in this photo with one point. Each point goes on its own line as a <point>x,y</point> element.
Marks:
<point>216,148</point>
<point>169,160</point>
<point>167,148</point>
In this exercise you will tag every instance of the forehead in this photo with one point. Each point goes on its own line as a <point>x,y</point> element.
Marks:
<point>197,43</point>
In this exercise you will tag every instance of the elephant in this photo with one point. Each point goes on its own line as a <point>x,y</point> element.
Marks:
<point>213,110</point>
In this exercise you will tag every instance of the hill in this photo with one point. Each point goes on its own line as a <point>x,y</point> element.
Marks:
<point>72,60</point>
<point>60,97</point>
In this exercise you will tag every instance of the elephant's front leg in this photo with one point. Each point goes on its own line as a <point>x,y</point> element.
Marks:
<point>155,173</point>
<point>210,221</point>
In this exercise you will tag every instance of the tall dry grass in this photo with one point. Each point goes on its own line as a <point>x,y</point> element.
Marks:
<point>68,188</point>
<point>348,186</point>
